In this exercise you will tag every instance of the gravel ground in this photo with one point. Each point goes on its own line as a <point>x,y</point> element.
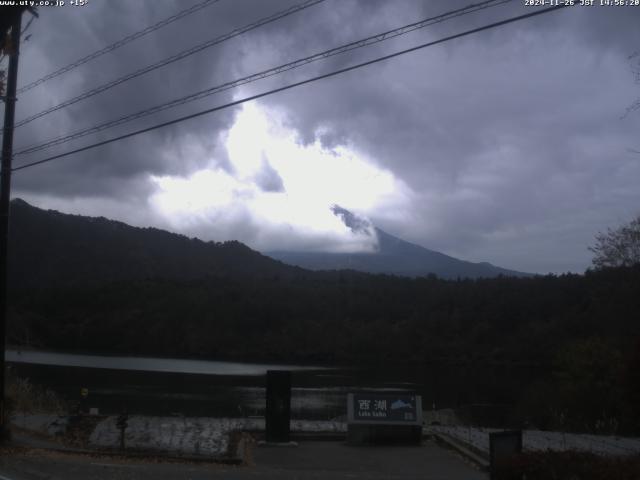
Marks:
<point>199,436</point>
<point>211,436</point>
<point>190,436</point>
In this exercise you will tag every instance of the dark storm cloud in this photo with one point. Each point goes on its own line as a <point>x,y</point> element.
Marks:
<point>61,36</point>
<point>501,135</point>
<point>268,179</point>
<point>511,140</point>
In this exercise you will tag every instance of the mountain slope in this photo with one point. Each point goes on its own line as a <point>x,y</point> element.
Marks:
<point>394,256</point>
<point>49,248</point>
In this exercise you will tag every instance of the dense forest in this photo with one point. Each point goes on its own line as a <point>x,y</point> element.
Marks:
<point>336,317</point>
<point>582,329</point>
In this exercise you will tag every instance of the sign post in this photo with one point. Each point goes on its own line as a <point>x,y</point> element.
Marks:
<point>122,422</point>
<point>374,417</point>
<point>82,405</point>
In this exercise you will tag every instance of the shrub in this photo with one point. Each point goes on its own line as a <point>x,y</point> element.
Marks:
<point>570,466</point>
<point>25,397</point>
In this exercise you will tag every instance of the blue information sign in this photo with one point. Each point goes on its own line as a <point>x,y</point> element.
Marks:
<point>390,408</point>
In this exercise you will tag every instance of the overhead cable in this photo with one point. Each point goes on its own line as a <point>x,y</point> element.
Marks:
<point>118,44</point>
<point>264,74</point>
<point>290,86</point>
<point>174,58</point>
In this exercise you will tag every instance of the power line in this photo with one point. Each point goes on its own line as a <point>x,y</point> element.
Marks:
<point>24,30</point>
<point>173,58</point>
<point>293,85</point>
<point>119,43</point>
<point>264,74</point>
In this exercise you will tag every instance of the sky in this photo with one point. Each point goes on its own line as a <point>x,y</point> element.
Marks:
<point>512,146</point>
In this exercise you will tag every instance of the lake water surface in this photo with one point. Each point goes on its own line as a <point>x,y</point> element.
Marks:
<point>165,386</point>
<point>146,364</point>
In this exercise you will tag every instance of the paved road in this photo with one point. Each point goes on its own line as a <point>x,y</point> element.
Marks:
<point>335,460</point>
<point>310,460</point>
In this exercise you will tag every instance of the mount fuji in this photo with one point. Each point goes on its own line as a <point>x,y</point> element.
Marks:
<point>394,256</point>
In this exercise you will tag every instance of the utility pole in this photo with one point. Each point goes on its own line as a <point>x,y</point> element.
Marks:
<point>5,192</point>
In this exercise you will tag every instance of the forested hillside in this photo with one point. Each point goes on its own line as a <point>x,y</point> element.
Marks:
<point>226,301</point>
<point>49,248</point>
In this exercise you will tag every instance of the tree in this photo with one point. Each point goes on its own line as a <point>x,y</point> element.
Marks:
<point>618,247</point>
<point>588,392</point>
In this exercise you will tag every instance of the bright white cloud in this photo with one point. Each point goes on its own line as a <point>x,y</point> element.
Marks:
<point>280,189</point>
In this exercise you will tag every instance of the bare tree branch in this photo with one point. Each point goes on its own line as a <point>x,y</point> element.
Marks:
<point>618,247</point>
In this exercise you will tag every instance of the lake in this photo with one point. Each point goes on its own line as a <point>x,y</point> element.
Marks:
<point>145,364</point>
<point>165,386</point>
